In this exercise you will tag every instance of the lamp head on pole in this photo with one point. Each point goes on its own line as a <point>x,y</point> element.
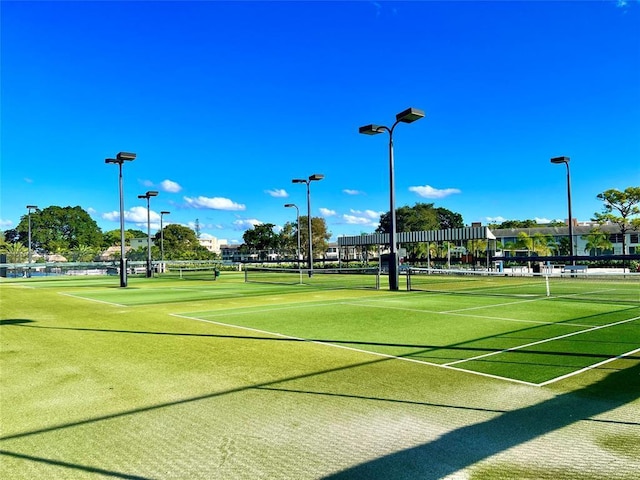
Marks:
<point>410,115</point>
<point>34,207</point>
<point>557,160</point>
<point>125,156</point>
<point>371,129</point>
<point>316,176</point>
<point>165,213</point>
<point>298,180</point>
<point>289,205</point>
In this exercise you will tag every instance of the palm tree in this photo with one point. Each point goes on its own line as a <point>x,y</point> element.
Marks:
<point>15,252</point>
<point>597,240</point>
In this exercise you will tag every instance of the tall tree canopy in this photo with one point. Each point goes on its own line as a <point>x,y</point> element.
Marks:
<point>319,234</point>
<point>620,208</point>
<point>422,216</point>
<point>180,243</point>
<point>60,229</point>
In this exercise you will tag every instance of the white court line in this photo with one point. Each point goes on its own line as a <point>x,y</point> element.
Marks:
<point>92,300</point>
<point>559,337</point>
<point>590,367</point>
<point>358,350</point>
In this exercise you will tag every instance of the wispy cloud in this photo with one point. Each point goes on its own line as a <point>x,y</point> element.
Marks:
<point>28,180</point>
<point>147,183</point>
<point>497,219</point>
<point>277,193</point>
<point>428,191</point>
<point>170,186</point>
<point>5,223</point>
<point>352,192</point>
<point>325,212</point>
<point>214,203</point>
<point>137,215</point>
<point>369,218</point>
<point>246,223</point>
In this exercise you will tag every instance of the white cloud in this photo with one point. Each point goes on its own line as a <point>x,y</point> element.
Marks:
<point>215,203</point>
<point>356,220</point>
<point>5,223</point>
<point>146,183</point>
<point>246,223</point>
<point>325,212</point>
<point>497,219</point>
<point>277,193</point>
<point>28,180</point>
<point>137,215</point>
<point>170,186</point>
<point>111,216</point>
<point>372,214</point>
<point>352,192</point>
<point>542,220</point>
<point>430,192</point>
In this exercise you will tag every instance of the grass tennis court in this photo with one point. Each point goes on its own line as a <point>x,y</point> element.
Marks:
<point>171,378</point>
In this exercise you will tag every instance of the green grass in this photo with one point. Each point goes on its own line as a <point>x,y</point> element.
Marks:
<point>221,379</point>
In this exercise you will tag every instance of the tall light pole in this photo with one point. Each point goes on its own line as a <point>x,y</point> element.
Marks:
<point>312,178</point>
<point>148,196</point>
<point>120,159</point>
<point>293,205</point>
<point>410,115</point>
<point>162,238</point>
<point>29,208</point>
<point>565,160</point>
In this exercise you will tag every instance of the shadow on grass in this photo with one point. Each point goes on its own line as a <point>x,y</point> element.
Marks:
<point>73,466</point>
<point>464,447</point>
<point>452,452</point>
<point>422,348</point>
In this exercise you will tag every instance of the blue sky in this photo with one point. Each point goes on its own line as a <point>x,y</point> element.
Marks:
<point>226,102</point>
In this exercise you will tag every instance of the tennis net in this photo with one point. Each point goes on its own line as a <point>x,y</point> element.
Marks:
<point>192,273</point>
<point>602,287</point>
<point>321,278</point>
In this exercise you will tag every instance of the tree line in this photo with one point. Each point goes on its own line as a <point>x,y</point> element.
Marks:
<point>71,232</point>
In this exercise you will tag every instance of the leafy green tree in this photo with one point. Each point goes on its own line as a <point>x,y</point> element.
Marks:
<point>620,208</point>
<point>448,219</point>
<point>60,229</point>
<point>597,241</point>
<point>261,238</point>
<point>112,237</point>
<point>180,243</point>
<point>319,234</point>
<point>510,224</point>
<point>288,240</point>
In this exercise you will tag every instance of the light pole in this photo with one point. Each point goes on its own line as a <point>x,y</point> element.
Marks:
<point>29,208</point>
<point>293,205</point>
<point>565,160</point>
<point>148,195</point>
<point>120,159</point>
<point>408,116</point>
<point>312,178</point>
<point>162,238</point>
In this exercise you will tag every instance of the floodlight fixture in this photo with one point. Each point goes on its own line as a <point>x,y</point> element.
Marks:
<point>120,159</point>
<point>312,178</point>
<point>29,208</point>
<point>148,195</point>
<point>126,156</point>
<point>409,115</point>
<point>162,214</point>
<point>558,161</point>
<point>371,129</point>
<point>293,205</point>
